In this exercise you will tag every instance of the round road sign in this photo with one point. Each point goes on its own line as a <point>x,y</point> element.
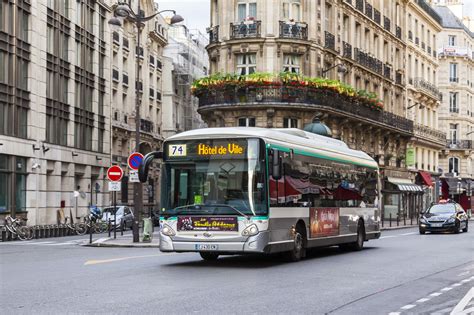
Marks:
<point>134,160</point>
<point>114,173</point>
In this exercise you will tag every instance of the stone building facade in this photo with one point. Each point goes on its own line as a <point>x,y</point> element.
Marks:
<point>455,47</point>
<point>369,38</point>
<point>124,50</point>
<point>54,107</point>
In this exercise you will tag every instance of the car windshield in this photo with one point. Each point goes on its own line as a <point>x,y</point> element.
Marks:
<point>442,209</point>
<point>111,210</point>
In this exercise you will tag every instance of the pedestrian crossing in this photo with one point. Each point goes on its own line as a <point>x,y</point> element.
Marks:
<point>44,243</point>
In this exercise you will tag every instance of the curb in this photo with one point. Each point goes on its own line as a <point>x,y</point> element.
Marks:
<point>104,242</point>
<point>401,227</point>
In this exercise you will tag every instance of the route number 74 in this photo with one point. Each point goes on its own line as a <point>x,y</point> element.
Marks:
<point>177,150</point>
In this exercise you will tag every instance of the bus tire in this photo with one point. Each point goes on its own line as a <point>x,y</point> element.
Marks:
<point>209,256</point>
<point>359,243</point>
<point>299,251</point>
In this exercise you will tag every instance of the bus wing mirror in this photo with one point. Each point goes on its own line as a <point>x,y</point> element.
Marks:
<point>276,165</point>
<point>145,165</point>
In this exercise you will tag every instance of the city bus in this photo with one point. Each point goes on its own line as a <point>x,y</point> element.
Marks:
<point>256,190</point>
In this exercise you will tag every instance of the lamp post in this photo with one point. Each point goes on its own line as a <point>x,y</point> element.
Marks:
<point>341,68</point>
<point>122,11</point>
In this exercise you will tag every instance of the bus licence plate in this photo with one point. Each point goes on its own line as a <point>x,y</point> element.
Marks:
<point>206,247</point>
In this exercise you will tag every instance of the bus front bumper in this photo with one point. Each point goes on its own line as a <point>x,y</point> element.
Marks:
<point>253,244</point>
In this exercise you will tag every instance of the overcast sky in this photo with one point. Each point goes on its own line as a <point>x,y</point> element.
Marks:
<point>196,12</point>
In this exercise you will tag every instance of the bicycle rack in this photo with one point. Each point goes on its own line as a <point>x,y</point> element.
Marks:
<point>4,234</point>
<point>36,231</point>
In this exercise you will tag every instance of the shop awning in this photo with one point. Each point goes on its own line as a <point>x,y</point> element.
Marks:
<point>426,178</point>
<point>405,184</point>
<point>456,185</point>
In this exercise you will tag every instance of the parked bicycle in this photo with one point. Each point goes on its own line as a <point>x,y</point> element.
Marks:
<point>79,228</point>
<point>97,225</point>
<point>14,226</point>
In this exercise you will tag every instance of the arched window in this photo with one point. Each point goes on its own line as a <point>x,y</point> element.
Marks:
<point>454,165</point>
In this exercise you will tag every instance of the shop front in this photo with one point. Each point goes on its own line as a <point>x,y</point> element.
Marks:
<point>12,186</point>
<point>460,190</point>
<point>402,200</point>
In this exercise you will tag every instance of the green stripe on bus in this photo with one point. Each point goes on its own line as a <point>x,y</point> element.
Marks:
<point>322,156</point>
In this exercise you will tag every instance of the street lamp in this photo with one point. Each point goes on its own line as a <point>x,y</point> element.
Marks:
<point>416,104</point>
<point>123,11</point>
<point>341,68</point>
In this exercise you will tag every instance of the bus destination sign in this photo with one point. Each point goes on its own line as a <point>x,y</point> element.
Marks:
<point>208,149</point>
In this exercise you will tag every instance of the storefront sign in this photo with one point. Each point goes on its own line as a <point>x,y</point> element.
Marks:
<point>324,222</point>
<point>410,158</point>
<point>207,224</point>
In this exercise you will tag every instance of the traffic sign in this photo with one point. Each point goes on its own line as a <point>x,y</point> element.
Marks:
<point>134,160</point>
<point>115,186</point>
<point>133,176</point>
<point>114,173</point>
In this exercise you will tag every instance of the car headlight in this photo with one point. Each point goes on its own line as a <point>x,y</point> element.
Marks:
<point>167,230</point>
<point>250,230</point>
<point>423,220</point>
<point>451,220</point>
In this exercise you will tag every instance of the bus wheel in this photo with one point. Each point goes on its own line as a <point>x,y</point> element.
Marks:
<point>359,243</point>
<point>209,256</point>
<point>299,251</point>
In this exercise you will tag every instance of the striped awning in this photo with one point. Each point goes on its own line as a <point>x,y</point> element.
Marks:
<point>405,184</point>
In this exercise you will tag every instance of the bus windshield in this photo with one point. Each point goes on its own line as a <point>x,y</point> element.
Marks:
<point>215,184</point>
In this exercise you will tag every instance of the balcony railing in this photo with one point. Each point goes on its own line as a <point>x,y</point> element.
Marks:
<point>245,29</point>
<point>377,16</point>
<point>293,30</point>
<point>427,8</point>
<point>426,132</point>
<point>368,61</point>
<point>459,144</point>
<point>214,34</point>
<point>386,23</point>
<point>428,88</point>
<point>146,126</point>
<point>289,95</point>
<point>398,32</point>
<point>347,50</point>
<point>454,80</point>
<point>329,41</point>
<point>360,5</point>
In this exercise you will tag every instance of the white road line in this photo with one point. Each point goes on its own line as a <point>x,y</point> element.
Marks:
<point>58,244</point>
<point>394,313</point>
<point>436,294</point>
<point>465,280</point>
<point>422,300</point>
<point>456,284</point>
<point>38,243</point>
<point>446,289</point>
<point>389,236</point>
<point>409,233</point>
<point>407,307</point>
<point>460,308</point>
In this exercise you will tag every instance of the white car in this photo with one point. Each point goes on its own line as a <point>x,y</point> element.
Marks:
<point>124,214</point>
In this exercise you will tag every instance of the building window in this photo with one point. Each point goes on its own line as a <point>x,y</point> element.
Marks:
<point>291,63</point>
<point>291,10</point>
<point>247,122</point>
<point>246,10</point>
<point>453,72</point>
<point>246,63</point>
<point>451,40</point>
<point>453,133</point>
<point>453,102</point>
<point>12,184</point>
<point>290,123</point>
<point>454,165</point>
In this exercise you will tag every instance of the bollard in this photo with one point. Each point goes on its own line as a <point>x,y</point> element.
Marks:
<point>4,235</point>
<point>109,227</point>
<point>46,231</point>
<point>121,226</point>
<point>36,232</point>
<point>60,230</point>
<point>390,218</point>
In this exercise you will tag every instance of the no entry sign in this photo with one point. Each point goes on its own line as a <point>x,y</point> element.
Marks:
<point>114,173</point>
<point>134,160</point>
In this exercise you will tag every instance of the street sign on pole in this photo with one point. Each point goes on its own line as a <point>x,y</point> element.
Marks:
<point>115,186</point>
<point>133,176</point>
<point>134,160</point>
<point>114,173</point>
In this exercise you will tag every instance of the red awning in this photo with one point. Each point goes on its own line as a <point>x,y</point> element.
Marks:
<point>426,178</point>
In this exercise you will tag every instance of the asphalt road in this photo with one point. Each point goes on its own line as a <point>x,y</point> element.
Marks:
<point>401,273</point>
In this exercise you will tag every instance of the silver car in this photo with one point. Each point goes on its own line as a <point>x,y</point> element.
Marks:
<point>124,215</point>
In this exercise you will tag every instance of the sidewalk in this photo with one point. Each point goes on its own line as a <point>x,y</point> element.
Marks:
<point>124,241</point>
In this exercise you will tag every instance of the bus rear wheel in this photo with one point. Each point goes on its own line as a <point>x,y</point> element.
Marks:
<point>209,256</point>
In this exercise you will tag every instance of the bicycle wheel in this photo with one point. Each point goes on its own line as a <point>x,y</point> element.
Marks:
<point>26,233</point>
<point>81,228</point>
<point>100,227</point>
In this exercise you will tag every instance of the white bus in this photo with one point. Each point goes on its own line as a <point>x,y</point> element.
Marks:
<point>254,190</point>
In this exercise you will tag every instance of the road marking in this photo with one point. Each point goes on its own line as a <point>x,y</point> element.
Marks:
<point>96,262</point>
<point>409,233</point>
<point>422,300</point>
<point>436,294</point>
<point>58,244</point>
<point>407,307</point>
<point>446,289</point>
<point>456,284</point>
<point>394,313</point>
<point>465,273</point>
<point>465,280</point>
<point>389,236</point>
<point>460,308</point>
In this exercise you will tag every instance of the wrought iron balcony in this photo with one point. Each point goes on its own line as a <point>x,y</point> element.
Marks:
<point>428,88</point>
<point>214,34</point>
<point>386,23</point>
<point>368,10</point>
<point>368,61</point>
<point>293,30</point>
<point>297,96</point>
<point>360,5</point>
<point>329,41</point>
<point>459,144</point>
<point>146,126</point>
<point>427,8</point>
<point>398,32</point>
<point>245,29</point>
<point>377,16</point>
<point>347,50</point>
<point>428,133</point>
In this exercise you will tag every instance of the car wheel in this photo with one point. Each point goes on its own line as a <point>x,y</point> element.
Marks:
<point>457,227</point>
<point>422,231</point>
<point>466,228</point>
<point>209,256</point>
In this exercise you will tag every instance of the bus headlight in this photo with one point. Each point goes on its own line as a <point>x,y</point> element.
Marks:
<point>250,230</point>
<point>167,230</point>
